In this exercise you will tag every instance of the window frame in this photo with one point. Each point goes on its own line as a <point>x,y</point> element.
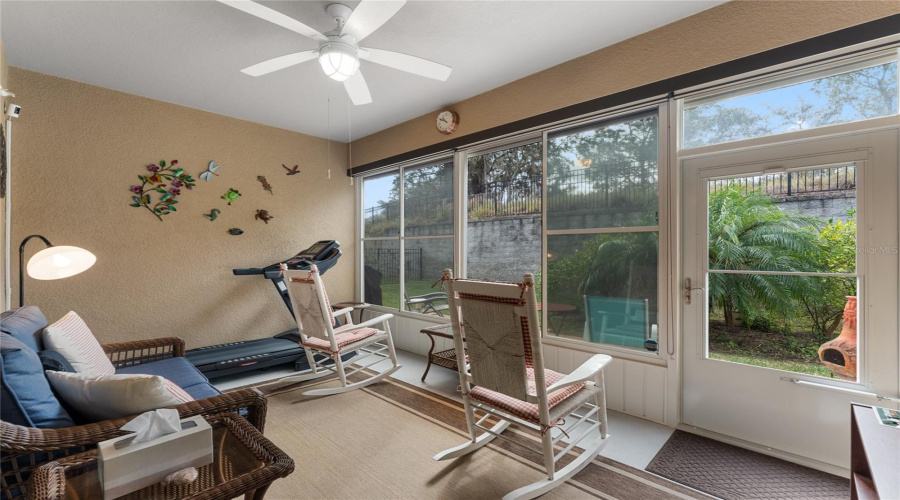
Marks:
<point>774,78</point>
<point>401,237</point>
<point>463,182</point>
<point>662,228</point>
<point>660,108</point>
<point>862,206</point>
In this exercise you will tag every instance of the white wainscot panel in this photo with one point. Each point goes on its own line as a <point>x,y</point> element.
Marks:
<point>632,387</point>
<point>615,385</point>
<point>407,336</point>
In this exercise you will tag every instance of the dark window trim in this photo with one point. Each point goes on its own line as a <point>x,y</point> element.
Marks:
<point>846,37</point>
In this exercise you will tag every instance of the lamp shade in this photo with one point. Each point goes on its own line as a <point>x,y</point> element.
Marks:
<point>59,262</point>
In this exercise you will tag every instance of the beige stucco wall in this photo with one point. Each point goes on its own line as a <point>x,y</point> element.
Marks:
<point>78,148</point>
<point>723,33</point>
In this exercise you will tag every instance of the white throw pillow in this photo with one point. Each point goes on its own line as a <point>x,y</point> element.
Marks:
<point>72,338</point>
<point>113,396</point>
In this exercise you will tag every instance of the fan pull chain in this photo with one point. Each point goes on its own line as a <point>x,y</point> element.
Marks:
<point>349,137</point>
<point>328,131</point>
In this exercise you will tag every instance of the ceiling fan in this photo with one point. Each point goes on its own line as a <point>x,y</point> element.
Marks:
<point>339,51</point>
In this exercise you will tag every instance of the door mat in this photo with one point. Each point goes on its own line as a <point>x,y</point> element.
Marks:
<point>730,472</point>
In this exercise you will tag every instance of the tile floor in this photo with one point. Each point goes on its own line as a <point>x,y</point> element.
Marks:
<point>633,441</point>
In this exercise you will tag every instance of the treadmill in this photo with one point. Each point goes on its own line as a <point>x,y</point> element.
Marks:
<point>236,357</point>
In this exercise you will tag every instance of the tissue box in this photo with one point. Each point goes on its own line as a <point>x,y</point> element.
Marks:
<point>138,465</point>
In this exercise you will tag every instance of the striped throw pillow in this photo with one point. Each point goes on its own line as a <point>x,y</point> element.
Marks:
<point>112,396</point>
<point>72,338</point>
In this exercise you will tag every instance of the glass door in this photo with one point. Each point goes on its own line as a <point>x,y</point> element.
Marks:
<point>790,291</point>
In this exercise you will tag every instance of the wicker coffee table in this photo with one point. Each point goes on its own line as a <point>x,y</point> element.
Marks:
<point>244,463</point>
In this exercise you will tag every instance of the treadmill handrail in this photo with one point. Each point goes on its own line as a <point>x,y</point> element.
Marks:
<point>248,271</point>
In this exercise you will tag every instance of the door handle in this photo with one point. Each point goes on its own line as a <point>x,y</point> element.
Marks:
<point>688,289</point>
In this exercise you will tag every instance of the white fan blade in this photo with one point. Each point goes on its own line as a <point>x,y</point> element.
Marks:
<point>357,89</point>
<point>273,16</point>
<point>278,63</point>
<point>369,15</point>
<point>408,63</point>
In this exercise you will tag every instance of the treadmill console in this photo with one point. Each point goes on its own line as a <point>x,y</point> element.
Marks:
<point>320,250</point>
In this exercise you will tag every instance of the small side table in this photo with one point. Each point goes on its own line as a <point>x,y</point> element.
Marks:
<point>874,449</point>
<point>358,308</point>
<point>446,358</point>
<point>555,308</point>
<point>244,463</point>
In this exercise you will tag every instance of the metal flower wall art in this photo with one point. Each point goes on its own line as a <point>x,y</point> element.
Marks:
<point>158,190</point>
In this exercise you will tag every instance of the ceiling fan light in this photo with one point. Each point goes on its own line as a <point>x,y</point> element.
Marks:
<point>338,63</point>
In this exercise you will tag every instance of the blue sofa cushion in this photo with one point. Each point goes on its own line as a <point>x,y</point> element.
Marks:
<point>25,394</point>
<point>177,369</point>
<point>25,324</point>
<point>54,361</point>
<point>202,391</point>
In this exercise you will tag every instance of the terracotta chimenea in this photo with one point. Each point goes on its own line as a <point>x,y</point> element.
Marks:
<point>839,354</point>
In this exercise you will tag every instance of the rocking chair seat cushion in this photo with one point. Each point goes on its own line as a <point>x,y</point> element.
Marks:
<point>523,409</point>
<point>342,337</point>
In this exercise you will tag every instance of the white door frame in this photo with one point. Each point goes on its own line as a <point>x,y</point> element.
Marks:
<point>879,371</point>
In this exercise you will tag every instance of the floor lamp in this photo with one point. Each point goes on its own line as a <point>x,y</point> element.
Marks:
<point>52,263</point>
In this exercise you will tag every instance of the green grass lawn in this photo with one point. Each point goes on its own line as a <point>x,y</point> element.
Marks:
<point>791,366</point>
<point>390,294</point>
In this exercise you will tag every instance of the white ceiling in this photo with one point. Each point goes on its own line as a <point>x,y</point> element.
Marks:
<point>190,52</point>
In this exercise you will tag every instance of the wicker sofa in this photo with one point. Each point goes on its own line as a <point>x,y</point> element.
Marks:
<point>22,448</point>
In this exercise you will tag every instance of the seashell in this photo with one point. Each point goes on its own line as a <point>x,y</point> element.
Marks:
<point>182,477</point>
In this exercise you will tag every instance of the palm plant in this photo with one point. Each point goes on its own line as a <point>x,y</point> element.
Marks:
<point>747,232</point>
<point>614,259</point>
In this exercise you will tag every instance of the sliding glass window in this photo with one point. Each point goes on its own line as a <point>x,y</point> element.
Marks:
<point>408,236</point>
<point>857,91</point>
<point>602,237</point>
<point>427,236</point>
<point>503,227</point>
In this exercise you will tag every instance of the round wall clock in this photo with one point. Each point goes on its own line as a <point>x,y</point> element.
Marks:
<point>447,121</point>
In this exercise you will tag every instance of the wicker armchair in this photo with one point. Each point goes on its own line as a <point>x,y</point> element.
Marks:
<point>26,448</point>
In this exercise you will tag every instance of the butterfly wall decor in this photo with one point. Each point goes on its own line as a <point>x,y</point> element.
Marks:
<point>210,171</point>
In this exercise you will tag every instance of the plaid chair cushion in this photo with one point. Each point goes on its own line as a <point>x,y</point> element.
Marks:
<point>341,336</point>
<point>523,409</point>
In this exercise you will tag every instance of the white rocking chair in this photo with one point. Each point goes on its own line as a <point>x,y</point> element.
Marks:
<point>504,378</point>
<point>323,343</point>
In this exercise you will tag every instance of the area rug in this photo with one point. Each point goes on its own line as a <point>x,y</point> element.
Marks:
<point>378,442</point>
<point>730,472</point>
